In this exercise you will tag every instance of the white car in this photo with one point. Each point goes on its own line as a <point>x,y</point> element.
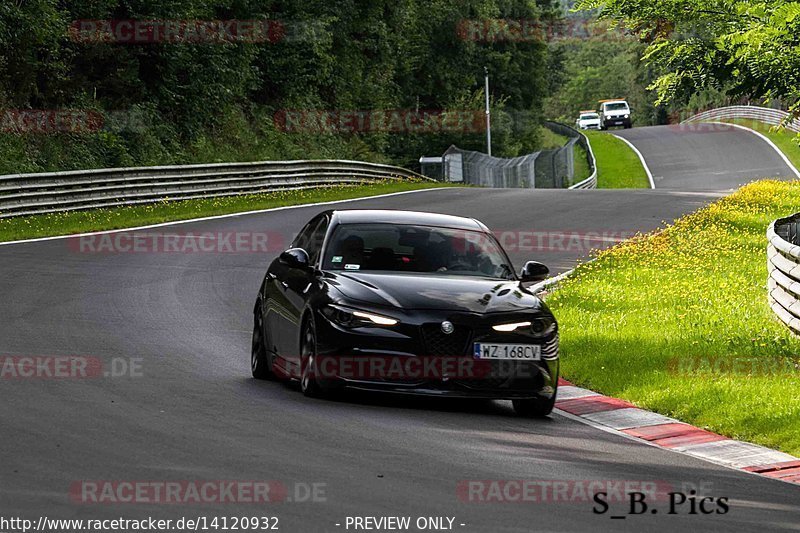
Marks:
<point>588,120</point>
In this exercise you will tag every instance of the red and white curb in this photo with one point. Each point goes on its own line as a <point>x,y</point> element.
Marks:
<point>659,430</point>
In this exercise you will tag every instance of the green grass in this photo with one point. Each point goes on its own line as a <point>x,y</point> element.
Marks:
<point>582,170</point>
<point>635,321</point>
<point>618,167</point>
<point>783,139</point>
<point>71,222</point>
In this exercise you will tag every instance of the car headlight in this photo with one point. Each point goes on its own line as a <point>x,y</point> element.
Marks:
<point>354,318</point>
<point>538,327</point>
<point>505,328</point>
<point>626,116</point>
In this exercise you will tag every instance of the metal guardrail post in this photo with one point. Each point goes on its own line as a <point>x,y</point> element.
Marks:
<point>774,117</point>
<point>783,263</point>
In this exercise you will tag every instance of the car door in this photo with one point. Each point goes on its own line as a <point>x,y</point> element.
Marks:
<point>277,311</point>
<point>296,289</point>
<point>299,283</point>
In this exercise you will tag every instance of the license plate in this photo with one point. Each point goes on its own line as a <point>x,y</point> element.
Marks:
<point>515,352</point>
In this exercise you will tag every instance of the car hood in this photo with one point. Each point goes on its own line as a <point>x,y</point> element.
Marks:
<point>440,292</point>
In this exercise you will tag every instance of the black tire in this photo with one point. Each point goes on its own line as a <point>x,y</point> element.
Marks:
<point>260,362</point>
<point>536,408</point>
<point>309,385</point>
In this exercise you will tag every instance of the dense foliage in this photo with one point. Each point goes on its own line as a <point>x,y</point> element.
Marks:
<point>172,102</point>
<point>599,63</point>
<point>748,48</point>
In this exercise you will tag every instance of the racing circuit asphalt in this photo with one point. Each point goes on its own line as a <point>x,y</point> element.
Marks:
<point>195,413</point>
<point>692,157</point>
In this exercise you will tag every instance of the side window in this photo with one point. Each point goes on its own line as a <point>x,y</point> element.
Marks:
<point>301,241</point>
<point>317,236</point>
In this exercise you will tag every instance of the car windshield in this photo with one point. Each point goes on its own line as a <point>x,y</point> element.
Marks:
<point>421,249</point>
<point>619,106</point>
<point>589,116</point>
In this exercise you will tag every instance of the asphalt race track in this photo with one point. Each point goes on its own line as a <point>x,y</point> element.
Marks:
<point>704,156</point>
<point>194,413</point>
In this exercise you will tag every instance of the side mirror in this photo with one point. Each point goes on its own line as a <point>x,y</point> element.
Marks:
<point>295,258</point>
<point>534,271</point>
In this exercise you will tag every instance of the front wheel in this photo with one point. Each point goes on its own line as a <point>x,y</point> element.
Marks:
<point>536,408</point>
<point>259,361</point>
<point>308,362</point>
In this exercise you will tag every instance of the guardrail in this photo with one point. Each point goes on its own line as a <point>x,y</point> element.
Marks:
<point>783,261</point>
<point>583,141</point>
<point>775,117</point>
<point>591,181</point>
<point>27,194</point>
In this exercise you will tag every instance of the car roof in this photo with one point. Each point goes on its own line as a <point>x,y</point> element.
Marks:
<point>391,216</point>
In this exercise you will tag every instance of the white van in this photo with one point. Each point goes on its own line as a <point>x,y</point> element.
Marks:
<point>615,113</point>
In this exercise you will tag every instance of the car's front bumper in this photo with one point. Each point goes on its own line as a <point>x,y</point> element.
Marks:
<point>610,122</point>
<point>414,358</point>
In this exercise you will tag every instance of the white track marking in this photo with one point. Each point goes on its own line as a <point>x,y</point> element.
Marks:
<point>765,139</point>
<point>641,158</point>
<point>618,433</point>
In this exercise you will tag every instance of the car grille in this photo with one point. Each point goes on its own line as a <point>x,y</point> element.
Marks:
<point>512,375</point>
<point>438,343</point>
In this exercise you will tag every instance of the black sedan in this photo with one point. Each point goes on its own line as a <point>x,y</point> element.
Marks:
<point>406,302</point>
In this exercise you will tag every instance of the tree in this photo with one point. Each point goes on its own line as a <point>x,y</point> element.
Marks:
<point>599,68</point>
<point>745,47</point>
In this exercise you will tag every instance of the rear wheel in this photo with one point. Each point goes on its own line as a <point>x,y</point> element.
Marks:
<point>308,362</point>
<point>260,364</point>
<point>536,408</point>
